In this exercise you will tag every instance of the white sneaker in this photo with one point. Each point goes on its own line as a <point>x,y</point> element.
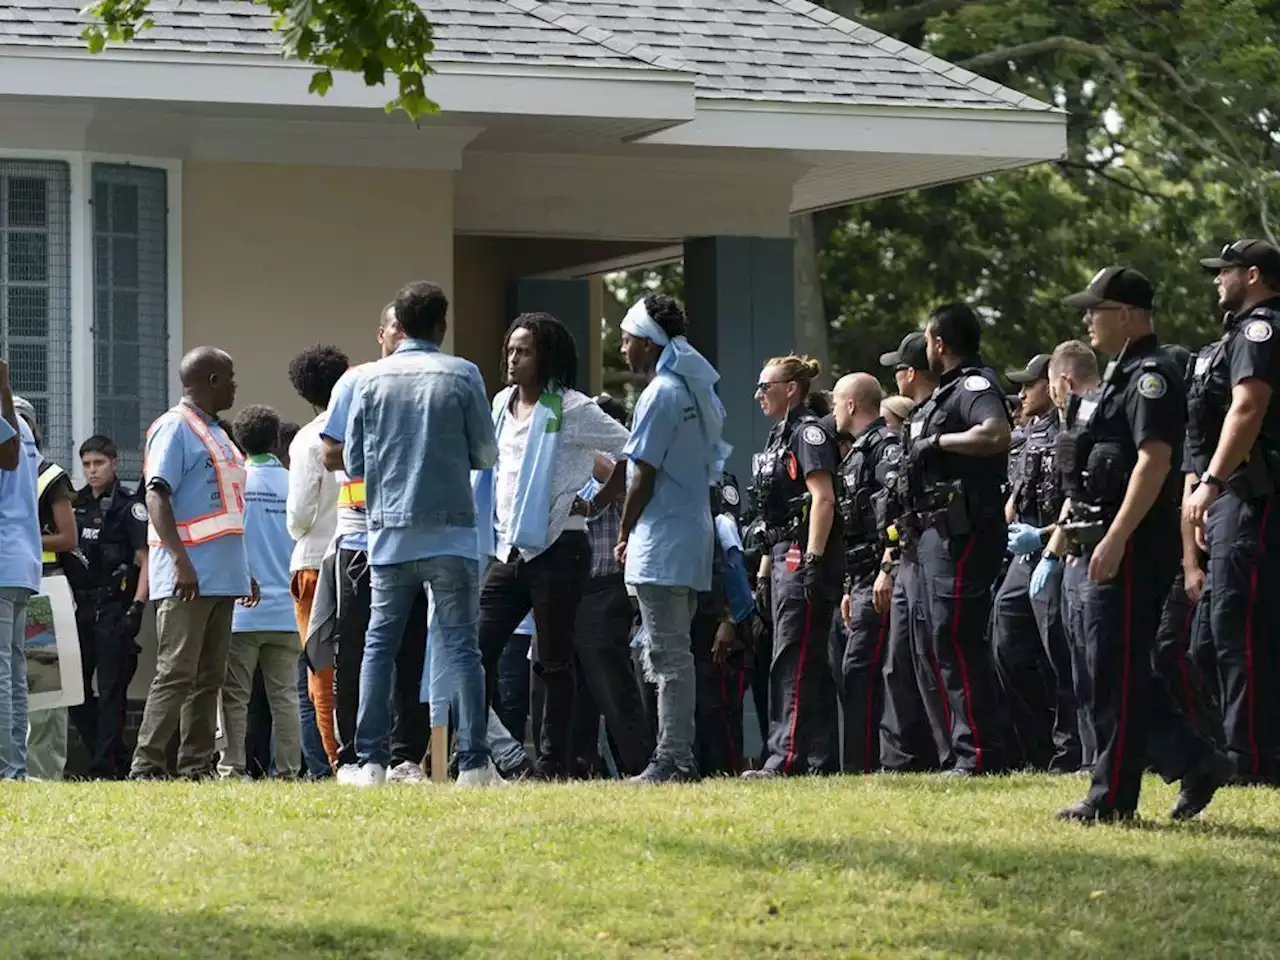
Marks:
<point>407,772</point>
<point>370,775</point>
<point>486,776</point>
<point>348,773</point>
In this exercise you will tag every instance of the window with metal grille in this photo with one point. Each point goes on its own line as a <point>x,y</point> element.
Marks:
<point>130,307</point>
<point>35,293</point>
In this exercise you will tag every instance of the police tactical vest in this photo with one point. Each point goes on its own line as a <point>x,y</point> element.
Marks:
<point>1036,491</point>
<point>860,483</point>
<point>1094,451</point>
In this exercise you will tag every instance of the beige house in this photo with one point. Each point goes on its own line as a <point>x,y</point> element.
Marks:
<point>187,189</point>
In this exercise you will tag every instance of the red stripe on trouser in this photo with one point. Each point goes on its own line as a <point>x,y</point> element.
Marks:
<point>871,692</point>
<point>1127,567</point>
<point>795,695</point>
<point>728,726</point>
<point>957,603</point>
<point>1250,684</point>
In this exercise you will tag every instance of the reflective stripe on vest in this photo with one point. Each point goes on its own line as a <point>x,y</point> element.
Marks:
<point>351,493</point>
<point>50,473</point>
<point>228,518</point>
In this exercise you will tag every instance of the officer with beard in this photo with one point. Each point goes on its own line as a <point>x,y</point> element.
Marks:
<point>1233,435</point>
<point>1116,461</point>
<point>957,457</point>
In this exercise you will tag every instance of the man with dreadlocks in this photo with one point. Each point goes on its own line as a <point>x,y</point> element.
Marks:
<point>548,434</point>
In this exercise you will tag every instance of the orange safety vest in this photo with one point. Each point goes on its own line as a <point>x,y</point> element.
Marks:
<point>228,518</point>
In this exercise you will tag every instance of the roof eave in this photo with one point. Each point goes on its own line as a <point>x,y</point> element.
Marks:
<point>625,92</point>
<point>1032,135</point>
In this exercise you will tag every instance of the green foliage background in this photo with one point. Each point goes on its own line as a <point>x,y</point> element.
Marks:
<point>1172,152</point>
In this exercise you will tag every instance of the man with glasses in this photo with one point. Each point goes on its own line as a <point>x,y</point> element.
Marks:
<point>1233,438</point>
<point>1116,454</point>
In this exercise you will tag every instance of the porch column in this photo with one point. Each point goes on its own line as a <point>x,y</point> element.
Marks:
<point>740,300</point>
<point>569,301</point>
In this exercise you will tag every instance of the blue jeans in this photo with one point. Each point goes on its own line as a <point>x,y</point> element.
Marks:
<point>667,657</point>
<point>13,682</point>
<point>315,764</point>
<point>456,670</point>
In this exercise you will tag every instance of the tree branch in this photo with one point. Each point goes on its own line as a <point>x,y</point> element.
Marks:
<point>1109,58</point>
<point>894,21</point>
<point>1102,171</point>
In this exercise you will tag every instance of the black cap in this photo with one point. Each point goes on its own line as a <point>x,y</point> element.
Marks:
<point>1246,253</point>
<point>910,353</point>
<point>1037,369</point>
<point>1116,284</point>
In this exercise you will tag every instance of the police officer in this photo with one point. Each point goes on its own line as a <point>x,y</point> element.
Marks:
<point>916,722</point>
<point>1117,464</point>
<point>875,451</point>
<point>112,521</point>
<point>1234,439</point>
<point>794,489</point>
<point>1033,657</point>
<point>957,455</point>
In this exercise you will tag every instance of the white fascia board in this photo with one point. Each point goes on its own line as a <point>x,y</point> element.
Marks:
<point>1033,135</point>
<point>625,92</point>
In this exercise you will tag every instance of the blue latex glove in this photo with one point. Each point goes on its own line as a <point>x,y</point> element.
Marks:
<point>1040,576</point>
<point>1024,538</point>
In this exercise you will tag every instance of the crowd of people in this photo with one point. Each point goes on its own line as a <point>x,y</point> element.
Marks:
<point>940,580</point>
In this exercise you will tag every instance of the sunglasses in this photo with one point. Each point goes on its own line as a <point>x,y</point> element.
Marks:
<point>764,385</point>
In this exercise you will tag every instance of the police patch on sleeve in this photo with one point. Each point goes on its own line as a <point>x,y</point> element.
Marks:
<point>139,511</point>
<point>1152,386</point>
<point>977,382</point>
<point>1257,331</point>
<point>814,436</point>
<point>730,495</point>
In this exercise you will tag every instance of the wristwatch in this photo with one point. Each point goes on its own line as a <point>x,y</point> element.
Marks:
<point>1213,481</point>
<point>888,566</point>
<point>1049,555</point>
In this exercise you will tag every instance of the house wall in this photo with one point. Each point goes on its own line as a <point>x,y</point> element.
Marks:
<point>277,257</point>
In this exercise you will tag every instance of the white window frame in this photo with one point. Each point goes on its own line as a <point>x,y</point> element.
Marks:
<point>80,167</point>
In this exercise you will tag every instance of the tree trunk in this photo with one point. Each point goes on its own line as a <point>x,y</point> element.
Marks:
<point>811,314</point>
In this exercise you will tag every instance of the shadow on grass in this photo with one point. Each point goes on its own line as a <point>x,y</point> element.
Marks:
<point>1027,900</point>
<point>36,927</point>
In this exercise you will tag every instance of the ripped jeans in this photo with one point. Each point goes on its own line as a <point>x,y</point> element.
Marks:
<point>667,657</point>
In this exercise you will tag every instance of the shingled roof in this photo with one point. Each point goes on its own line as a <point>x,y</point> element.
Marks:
<point>757,50</point>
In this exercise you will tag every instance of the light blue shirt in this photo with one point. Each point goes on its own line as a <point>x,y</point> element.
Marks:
<point>269,546</point>
<point>671,544</point>
<point>19,513</point>
<point>403,544</point>
<point>335,429</point>
<point>178,458</point>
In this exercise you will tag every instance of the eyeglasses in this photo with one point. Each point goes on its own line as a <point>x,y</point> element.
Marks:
<point>902,368</point>
<point>764,385</point>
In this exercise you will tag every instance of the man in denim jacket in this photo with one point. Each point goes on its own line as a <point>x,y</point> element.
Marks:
<point>419,425</point>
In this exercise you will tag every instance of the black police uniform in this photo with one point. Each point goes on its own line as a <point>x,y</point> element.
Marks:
<point>915,727</point>
<point>1243,534</point>
<point>805,594</point>
<point>1032,653</point>
<point>112,528</point>
<point>1135,720</point>
<point>956,500</point>
<point>720,686</point>
<point>876,452</point>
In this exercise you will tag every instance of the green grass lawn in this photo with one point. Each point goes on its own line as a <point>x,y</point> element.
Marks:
<point>907,866</point>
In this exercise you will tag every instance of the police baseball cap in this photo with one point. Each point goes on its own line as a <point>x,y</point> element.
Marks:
<point>1115,285</point>
<point>910,353</point>
<point>1246,253</point>
<point>1037,369</point>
